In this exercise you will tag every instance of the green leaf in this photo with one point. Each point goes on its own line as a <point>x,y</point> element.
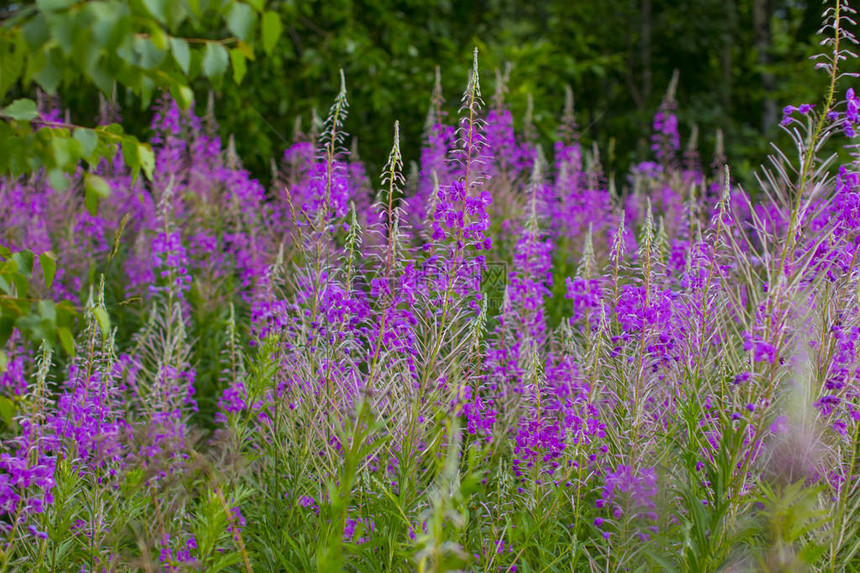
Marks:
<point>63,152</point>
<point>195,7</point>
<point>271,30</point>
<point>4,360</point>
<point>103,319</point>
<point>91,202</point>
<point>240,67</point>
<point>47,310</point>
<point>21,110</point>
<point>159,38</point>
<point>96,189</point>
<point>181,53</point>
<point>257,5</point>
<point>67,341</point>
<point>7,407</point>
<point>11,62</point>
<point>98,184</point>
<point>52,5</point>
<point>241,20</point>
<point>24,260</point>
<point>7,326</point>
<point>147,159</point>
<point>150,57</point>
<point>130,154</point>
<point>215,60</point>
<point>88,139</point>
<point>57,179</point>
<point>246,49</point>
<point>157,8</point>
<point>182,94</point>
<point>48,75</point>
<point>49,267</point>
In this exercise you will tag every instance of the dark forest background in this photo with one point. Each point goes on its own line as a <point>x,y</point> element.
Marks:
<point>739,63</point>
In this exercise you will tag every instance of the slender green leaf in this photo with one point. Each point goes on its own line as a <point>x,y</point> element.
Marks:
<point>103,319</point>
<point>67,341</point>
<point>7,407</point>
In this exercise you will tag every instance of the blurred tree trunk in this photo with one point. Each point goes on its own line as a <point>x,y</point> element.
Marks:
<point>811,21</point>
<point>726,55</point>
<point>762,40</point>
<point>646,50</point>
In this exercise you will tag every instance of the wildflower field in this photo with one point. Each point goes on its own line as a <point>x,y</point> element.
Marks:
<point>494,357</point>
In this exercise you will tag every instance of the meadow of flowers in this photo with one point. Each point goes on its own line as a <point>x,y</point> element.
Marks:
<point>494,357</point>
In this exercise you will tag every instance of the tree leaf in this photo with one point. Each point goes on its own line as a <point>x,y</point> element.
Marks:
<point>182,94</point>
<point>57,179</point>
<point>52,5</point>
<point>96,189</point>
<point>88,139</point>
<point>157,8</point>
<point>21,110</point>
<point>246,49</point>
<point>150,57</point>
<point>181,53</point>
<point>91,202</point>
<point>147,159</point>
<point>24,260</point>
<point>240,67</point>
<point>49,267</point>
<point>271,30</point>
<point>47,310</point>
<point>241,20</point>
<point>130,154</point>
<point>62,151</point>
<point>99,186</point>
<point>215,60</point>
<point>195,7</point>
<point>11,62</point>
<point>48,75</point>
